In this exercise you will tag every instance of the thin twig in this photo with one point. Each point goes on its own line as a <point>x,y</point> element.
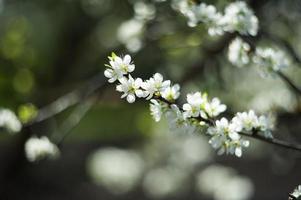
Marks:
<point>73,120</point>
<point>70,99</point>
<point>294,88</point>
<point>273,141</point>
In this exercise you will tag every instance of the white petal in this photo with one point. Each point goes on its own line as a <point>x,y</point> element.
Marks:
<point>238,151</point>
<point>123,80</point>
<point>138,82</point>
<point>108,73</point>
<point>127,59</point>
<point>119,88</point>
<point>131,98</point>
<point>131,68</point>
<point>112,80</point>
<point>140,93</point>
<point>176,87</point>
<point>166,84</point>
<point>186,107</point>
<point>158,77</point>
<point>234,135</point>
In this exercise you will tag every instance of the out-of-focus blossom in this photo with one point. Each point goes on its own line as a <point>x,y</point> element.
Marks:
<point>117,170</point>
<point>163,182</point>
<point>239,17</point>
<point>130,34</point>
<point>144,11</point>
<point>222,183</point>
<point>270,60</point>
<point>9,121</point>
<point>238,53</point>
<point>40,148</point>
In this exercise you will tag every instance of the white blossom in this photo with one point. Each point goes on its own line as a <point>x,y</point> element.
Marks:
<point>171,93</point>
<point>239,17</point>
<point>297,192</point>
<point>9,121</point>
<point>246,121</point>
<point>130,88</point>
<point>198,105</point>
<point>238,52</point>
<point>226,139</point>
<point>154,85</point>
<point>269,60</point>
<point>214,108</point>
<point>118,67</point>
<point>156,110</point>
<point>249,121</point>
<point>40,148</point>
<point>193,106</point>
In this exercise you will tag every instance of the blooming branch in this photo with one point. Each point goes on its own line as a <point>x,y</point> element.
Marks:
<point>198,114</point>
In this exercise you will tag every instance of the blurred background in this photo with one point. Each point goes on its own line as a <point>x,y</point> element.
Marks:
<point>55,51</point>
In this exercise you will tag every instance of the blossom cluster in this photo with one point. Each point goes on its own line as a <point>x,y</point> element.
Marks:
<point>225,135</point>
<point>199,110</point>
<point>269,60</point>
<point>225,138</point>
<point>40,148</point>
<point>199,105</point>
<point>266,59</point>
<point>237,17</point>
<point>119,70</point>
